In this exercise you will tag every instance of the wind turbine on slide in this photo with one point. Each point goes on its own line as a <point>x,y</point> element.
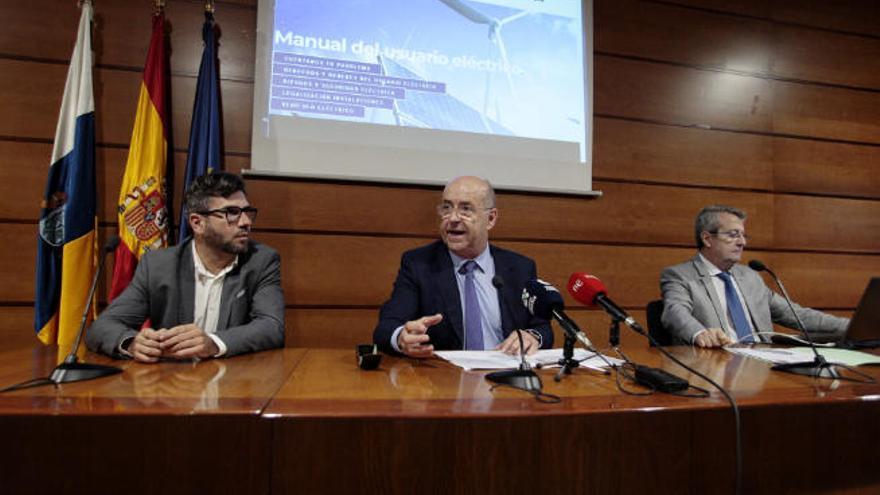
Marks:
<point>495,39</point>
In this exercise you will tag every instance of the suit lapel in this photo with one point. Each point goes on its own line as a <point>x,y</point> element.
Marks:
<point>186,302</point>
<point>507,292</point>
<point>447,287</point>
<point>230,289</point>
<point>709,286</point>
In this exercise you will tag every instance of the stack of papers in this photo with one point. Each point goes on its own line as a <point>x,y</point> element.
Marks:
<point>801,354</point>
<point>496,360</point>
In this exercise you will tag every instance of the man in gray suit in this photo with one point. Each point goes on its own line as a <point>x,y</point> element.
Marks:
<point>712,300</point>
<point>216,294</point>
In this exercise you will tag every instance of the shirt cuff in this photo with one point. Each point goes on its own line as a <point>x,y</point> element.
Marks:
<point>694,338</point>
<point>123,345</point>
<point>220,345</point>
<point>394,338</point>
<point>536,334</point>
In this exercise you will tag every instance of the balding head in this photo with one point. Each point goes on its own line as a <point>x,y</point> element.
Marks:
<point>477,185</point>
<point>467,214</point>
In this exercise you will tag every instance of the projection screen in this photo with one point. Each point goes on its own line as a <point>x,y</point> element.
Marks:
<point>420,91</point>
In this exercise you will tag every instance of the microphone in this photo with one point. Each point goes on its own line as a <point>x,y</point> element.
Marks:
<point>71,370</point>
<point>818,367</point>
<point>544,301</point>
<point>498,283</point>
<point>590,291</point>
<point>523,378</point>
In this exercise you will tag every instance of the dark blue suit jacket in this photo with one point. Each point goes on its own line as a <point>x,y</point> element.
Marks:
<point>426,285</point>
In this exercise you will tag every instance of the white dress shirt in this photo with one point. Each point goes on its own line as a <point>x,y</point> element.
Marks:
<point>209,289</point>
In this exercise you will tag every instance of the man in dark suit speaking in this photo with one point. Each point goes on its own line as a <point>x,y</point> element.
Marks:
<point>217,294</point>
<point>461,293</point>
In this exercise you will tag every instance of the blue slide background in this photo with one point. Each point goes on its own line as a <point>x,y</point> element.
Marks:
<point>424,64</point>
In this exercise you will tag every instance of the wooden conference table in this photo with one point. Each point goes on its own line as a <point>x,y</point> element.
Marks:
<point>309,421</point>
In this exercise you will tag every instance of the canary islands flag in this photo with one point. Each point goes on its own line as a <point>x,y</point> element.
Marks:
<point>67,242</point>
<point>142,211</point>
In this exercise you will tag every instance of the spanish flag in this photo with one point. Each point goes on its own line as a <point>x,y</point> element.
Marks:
<point>67,243</point>
<point>143,216</point>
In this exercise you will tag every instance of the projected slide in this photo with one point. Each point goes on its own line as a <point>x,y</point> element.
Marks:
<point>500,67</point>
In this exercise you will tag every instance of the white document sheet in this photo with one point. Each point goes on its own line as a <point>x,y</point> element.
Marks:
<point>801,354</point>
<point>494,360</point>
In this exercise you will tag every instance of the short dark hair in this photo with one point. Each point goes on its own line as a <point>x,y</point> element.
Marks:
<point>211,185</point>
<point>708,220</point>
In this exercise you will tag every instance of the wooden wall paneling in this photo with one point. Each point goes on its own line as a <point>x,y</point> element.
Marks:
<point>636,151</point>
<point>31,32</point>
<point>857,16</point>
<point>803,165</point>
<point>36,104</point>
<point>679,95</point>
<point>626,213</point>
<point>17,328</point>
<point>18,264</point>
<point>686,156</point>
<point>826,223</point>
<point>825,56</point>
<point>25,167</point>
<point>349,271</point>
<point>30,110</point>
<point>806,110</point>
<point>665,93</point>
<point>345,207</point>
<point>121,34</point>
<point>822,281</point>
<point>237,39</point>
<point>653,30</point>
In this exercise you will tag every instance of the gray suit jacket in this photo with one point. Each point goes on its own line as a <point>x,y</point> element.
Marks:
<point>691,304</point>
<point>163,289</point>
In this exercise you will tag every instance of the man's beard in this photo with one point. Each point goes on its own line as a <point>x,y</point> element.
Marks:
<point>215,240</point>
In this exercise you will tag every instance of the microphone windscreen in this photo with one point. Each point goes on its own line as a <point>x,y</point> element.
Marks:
<point>585,288</point>
<point>757,265</point>
<point>541,298</point>
<point>111,243</point>
<point>498,282</point>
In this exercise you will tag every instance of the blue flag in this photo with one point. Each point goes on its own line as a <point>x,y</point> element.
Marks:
<point>204,133</point>
<point>67,241</point>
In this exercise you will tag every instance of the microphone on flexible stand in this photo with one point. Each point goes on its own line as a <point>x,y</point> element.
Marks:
<point>590,291</point>
<point>523,378</point>
<point>544,301</point>
<point>818,367</point>
<point>71,370</point>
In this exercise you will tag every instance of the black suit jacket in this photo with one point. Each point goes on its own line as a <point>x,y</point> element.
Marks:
<point>426,285</point>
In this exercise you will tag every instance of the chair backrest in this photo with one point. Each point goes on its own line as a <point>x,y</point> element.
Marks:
<point>656,329</point>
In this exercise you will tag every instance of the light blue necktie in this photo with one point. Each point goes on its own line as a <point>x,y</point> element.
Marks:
<point>473,327</point>
<point>737,312</point>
